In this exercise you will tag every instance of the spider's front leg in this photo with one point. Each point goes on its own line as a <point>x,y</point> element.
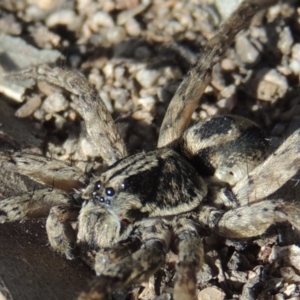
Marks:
<point>61,235</point>
<point>36,204</point>
<point>135,268</point>
<point>51,172</point>
<point>190,258</point>
<point>100,126</point>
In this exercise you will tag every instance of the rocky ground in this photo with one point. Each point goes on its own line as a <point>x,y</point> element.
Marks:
<point>136,52</point>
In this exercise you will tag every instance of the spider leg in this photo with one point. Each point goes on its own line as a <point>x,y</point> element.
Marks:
<point>190,259</point>
<point>54,173</point>
<point>35,204</point>
<point>99,123</point>
<point>255,219</point>
<point>61,235</point>
<point>268,177</point>
<point>186,98</point>
<point>135,268</point>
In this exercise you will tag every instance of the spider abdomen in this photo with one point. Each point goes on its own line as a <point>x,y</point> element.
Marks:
<point>227,147</point>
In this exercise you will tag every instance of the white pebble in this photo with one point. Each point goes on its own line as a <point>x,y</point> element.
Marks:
<point>55,103</point>
<point>285,41</point>
<point>101,19</point>
<point>246,51</point>
<point>147,78</point>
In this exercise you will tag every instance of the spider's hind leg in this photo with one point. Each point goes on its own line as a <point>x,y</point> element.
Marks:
<point>272,174</point>
<point>255,219</point>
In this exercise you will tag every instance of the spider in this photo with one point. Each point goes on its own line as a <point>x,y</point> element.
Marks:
<point>211,176</point>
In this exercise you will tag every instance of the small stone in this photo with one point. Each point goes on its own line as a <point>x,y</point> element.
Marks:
<point>296,51</point>
<point>133,27</point>
<point>55,103</point>
<point>271,85</point>
<point>295,66</point>
<point>147,102</point>
<point>225,8</point>
<point>128,14</point>
<point>20,55</point>
<point>116,34</point>
<point>87,147</point>
<point>108,70</point>
<point>29,107</point>
<point>285,41</point>
<point>147,77</point>
<point>246,51</point>
<point>101,19</point>
<point>227,65</point>
<point>120,73</point>
<point>211,293</point>
<point>66,17</point>
<point>289,275</point>
<point>279,297</point>
<point>290,289</point>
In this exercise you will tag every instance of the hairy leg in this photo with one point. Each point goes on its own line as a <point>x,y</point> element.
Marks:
<point>100,126</point>
<point>255,219</point>
<point>36,204</point>
<point>135,268</point>
<point>268,177</point>
<point>54,173</point>
<point>193,85</point>
<point>190,259</point>
<point>61,235</point>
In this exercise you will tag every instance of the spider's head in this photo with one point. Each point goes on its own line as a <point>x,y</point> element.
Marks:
<point>156,183</point>
<point>100,227</point>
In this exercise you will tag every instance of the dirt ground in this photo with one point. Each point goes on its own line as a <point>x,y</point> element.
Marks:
<point>136,52</point>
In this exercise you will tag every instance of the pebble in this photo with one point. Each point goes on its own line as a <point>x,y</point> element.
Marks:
<point>101,19</point>
<point>296,51</point>
<point>147,102</point>
<point>126,15</point>
<point>55,103</point>
<point>211,293</point>
<point>66,17</point>
<point>29,107</point>
<point>87,147</point>
<point>20,55</point>
<point>116,34</point>
<point>271,85</point>
<point>285,41</point>
<point>133,27</point>
<point>295,66</point>
<point>147,78</point>
<point>247,53</point>
<point>290,289</point>
<point>225,8</point>
<point>227,64</point>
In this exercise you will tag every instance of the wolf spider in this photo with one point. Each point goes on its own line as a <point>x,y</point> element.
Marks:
<point>212,176</point>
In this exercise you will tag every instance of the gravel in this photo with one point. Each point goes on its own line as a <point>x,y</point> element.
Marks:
<point>136,53</point>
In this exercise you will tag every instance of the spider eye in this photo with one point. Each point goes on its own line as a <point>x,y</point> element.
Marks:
<point>109,192</point>
<point>102,199</point>
<point>98,185</point>
<point>124,185</point>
